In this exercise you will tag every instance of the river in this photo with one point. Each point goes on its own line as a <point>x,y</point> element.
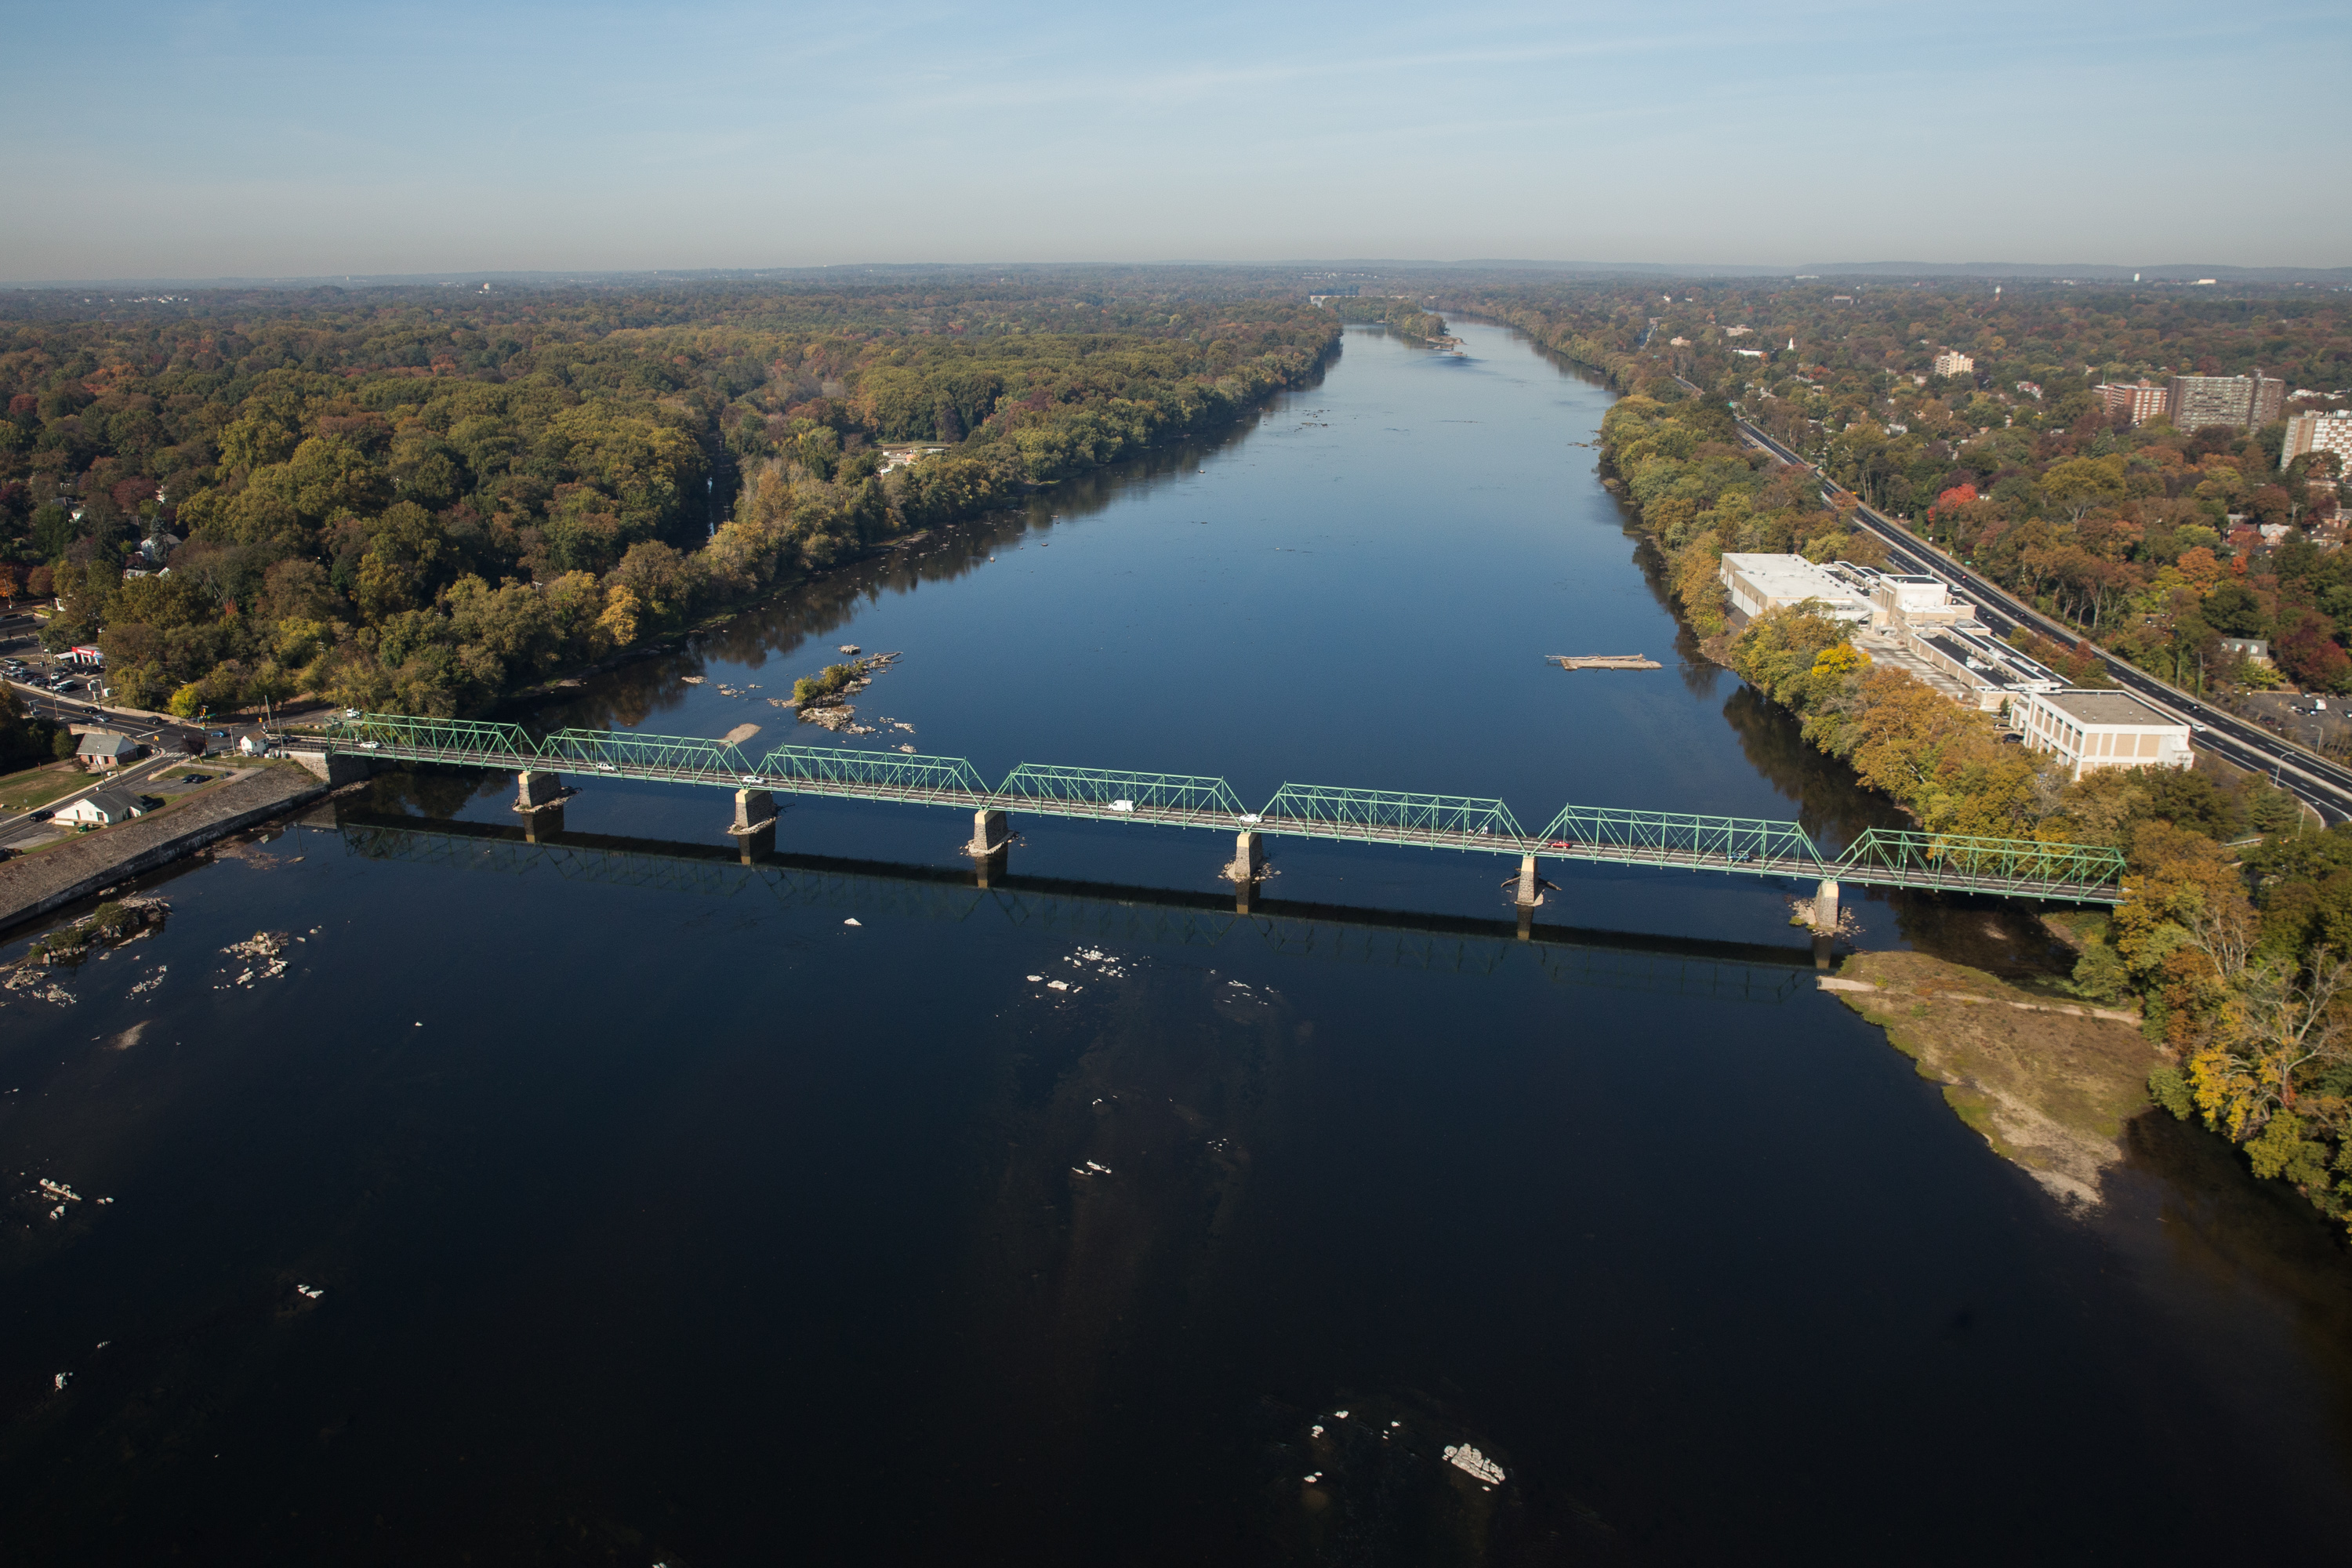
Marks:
<point>664,1211</point>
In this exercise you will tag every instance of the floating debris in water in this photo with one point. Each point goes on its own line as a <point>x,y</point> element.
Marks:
<point>1466,1458</point>
<point>61,1378</point>
<point>313,1291</point>
<point>851,920</point>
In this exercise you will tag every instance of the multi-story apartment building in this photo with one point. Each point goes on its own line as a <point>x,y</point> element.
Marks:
<point>2143,399</point>
<point>2323,432</point>
<point>2241,402</point>
<point>1953,363</point>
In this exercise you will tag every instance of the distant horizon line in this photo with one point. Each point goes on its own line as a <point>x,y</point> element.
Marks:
<point>1812,271</point>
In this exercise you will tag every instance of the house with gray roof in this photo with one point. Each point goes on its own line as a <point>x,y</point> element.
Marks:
<point>103,750</point>
<point>104,807</point>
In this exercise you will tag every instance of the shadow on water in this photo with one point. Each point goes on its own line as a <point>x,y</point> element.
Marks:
<point>1095,911</point>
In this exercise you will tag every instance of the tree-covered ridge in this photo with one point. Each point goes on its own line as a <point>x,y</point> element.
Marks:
<point>426,501</point>
<point>2148,538</point>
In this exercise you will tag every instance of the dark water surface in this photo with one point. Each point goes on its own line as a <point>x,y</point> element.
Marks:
<point>662,1215</point>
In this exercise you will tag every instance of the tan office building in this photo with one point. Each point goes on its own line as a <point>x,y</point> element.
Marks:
<point>1953,363</point>
<point>2091,730</point>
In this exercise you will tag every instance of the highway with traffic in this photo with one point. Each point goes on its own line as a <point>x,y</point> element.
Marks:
<point>2323,785</point>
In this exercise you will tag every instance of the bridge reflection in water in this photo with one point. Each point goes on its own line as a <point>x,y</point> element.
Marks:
<point>1095,911</point>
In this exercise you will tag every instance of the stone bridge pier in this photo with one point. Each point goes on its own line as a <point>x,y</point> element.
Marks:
<point>989,845</point>
<point>1247,869</point>
<point>754,827</point>
<point>538,800</point>
<point>1526,895</point>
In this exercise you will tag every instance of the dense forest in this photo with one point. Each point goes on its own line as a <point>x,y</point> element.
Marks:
<point>1401,313</point>
<point>2239,951</point>
<point>421,500</point>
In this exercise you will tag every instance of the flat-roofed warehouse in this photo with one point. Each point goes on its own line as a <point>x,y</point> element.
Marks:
<point>2092,730</point>
<point>1759,584</point>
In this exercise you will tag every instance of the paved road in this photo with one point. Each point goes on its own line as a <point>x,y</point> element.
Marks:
<point>2323,785</point>
<point>45,704</point>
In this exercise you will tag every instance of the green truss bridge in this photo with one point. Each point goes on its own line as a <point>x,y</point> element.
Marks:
<point>1750,847</point>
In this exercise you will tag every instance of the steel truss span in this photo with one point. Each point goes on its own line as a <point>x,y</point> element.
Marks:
<point>1882,858</point>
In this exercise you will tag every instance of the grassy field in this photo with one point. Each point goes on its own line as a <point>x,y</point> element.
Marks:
<point>38,786</point>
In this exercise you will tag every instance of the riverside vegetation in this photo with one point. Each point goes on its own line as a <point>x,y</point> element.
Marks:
<point>2147,536</point>
<point>2239,954</point>
<point>413,500</point>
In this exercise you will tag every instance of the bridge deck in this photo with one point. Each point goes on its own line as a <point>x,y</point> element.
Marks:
<point>1606,836</point>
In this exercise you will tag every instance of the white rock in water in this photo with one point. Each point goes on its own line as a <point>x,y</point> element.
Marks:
<point>1468,1458</point>
<point>1035,978</point>
<point>1057,985</point>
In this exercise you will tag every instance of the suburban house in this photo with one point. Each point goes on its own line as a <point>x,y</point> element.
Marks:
<point>103,807</point>
<point>2255,649</point>
<point>101,751</point>
<point>2091,730</point>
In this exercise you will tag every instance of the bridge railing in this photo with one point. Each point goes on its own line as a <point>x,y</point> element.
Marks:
<point>886,775</point>
<point>626,751</point>
<point>1114,793</point>
<point>1961,860</point>
<point>1388,816</point>
<point>1733,840</point>
<point>465,737</point>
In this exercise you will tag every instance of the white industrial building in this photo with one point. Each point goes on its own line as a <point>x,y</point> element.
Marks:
<point>2091,730</point>
<point>1758,584</point>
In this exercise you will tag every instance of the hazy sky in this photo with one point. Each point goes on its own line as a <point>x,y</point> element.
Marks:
<point>265,139</point>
